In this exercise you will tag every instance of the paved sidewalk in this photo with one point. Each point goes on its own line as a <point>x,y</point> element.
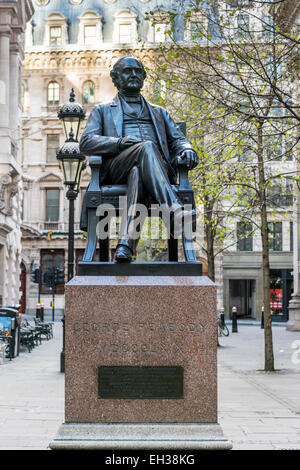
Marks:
<point>259,410</point>
<point>256,410</point>
<point>32,396</point>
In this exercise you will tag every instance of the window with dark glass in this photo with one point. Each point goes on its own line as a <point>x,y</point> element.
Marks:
<point>196,31</point>
<point>89,92</point>
<point>281,192</point>
<point>52,205</point>
<point>52,146</point>
<point>275,236</point>
<point>273,147</point>
<point>51,259</point>
<point>267,26</point>
<point>244,236</point>
<point>243,24</point>
<point>289,149</point>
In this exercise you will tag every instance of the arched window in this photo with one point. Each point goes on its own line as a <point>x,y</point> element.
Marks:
<point>53,93</point>
<point>89,92</point>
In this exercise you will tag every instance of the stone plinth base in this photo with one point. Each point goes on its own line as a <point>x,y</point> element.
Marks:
<point>140,436</point>
<point>294,314</point>
<point>140,363</point>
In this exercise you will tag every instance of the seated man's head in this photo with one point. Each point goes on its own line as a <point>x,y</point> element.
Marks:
<point>128,75</point>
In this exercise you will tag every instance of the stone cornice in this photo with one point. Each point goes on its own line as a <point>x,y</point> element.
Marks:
<point>53,61</point>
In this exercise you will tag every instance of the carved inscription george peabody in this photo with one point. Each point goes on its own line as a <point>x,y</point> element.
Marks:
<point>113,335</point>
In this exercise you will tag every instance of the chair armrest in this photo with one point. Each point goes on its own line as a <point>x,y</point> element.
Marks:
<point>183,172</point>
<point>93,193</point>
<point>95,163</point>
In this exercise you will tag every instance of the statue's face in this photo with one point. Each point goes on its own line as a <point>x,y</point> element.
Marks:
<point>130,76</point>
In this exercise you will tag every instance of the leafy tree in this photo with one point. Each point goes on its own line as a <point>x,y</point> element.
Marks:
<point>235,72</point>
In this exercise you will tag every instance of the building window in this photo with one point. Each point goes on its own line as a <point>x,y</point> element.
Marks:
<point>196,26</point>
<point>267,26</point>
<point>52,146</point>
<point>275,236</point>
<point>280,194</point>
<point>243,24</point>
<point>52,205</point>
<point>125,27</point>
<point>291,236</point>
<point>125,33</point>
<point>196,31</point>
<point>56,30</point>
<point>273,146</point>
<point>289,147</point>
<point>160,32</point>
<point>55,36</point>
<point>90,32</point>
<point>90,29</point>
<point>89,92</point>
<point>51,259</point>
<point>244,236</point>
<point>53,93</point>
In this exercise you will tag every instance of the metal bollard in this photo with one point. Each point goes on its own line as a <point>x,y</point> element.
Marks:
<point>222,315</point>
<point>234,320</point>
<point>42,312</point>
<point>38,310</point>
<point>262,324</point>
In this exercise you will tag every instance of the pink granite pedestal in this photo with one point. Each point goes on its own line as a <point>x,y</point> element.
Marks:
<point>140,321</point>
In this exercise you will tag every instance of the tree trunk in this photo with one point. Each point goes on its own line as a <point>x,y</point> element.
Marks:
<point>269,355</point>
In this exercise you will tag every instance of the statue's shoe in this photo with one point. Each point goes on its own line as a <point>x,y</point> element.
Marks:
<point>123,254</point>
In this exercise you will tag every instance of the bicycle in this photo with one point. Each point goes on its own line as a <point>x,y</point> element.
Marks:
<point>222,328</point>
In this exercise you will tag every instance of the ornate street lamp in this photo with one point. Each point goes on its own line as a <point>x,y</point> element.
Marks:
<point>71,114</point>
<point>71,163</point>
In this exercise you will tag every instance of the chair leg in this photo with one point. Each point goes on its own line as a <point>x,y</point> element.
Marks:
<point>173,249</point>
<point>104,250</point>
<point>104,244</point>
<point>91,236</point>
<point>188,244</point>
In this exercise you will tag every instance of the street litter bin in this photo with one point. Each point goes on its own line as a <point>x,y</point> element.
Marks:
<point>9,323</point>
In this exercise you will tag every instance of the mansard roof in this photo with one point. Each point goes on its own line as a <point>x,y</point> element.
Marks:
<point>105,8</point>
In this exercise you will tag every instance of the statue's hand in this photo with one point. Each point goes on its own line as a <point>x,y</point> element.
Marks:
<point>128,142</point>
<point>190,158</point>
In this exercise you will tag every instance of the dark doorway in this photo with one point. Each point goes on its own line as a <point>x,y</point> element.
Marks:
<point>242,295</point>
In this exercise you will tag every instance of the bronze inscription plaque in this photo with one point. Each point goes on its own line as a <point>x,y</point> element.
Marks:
<point>140,382</point>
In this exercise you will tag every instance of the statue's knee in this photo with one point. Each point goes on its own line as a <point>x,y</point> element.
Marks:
<point>148,150</point>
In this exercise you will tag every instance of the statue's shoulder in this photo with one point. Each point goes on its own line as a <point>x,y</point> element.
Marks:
<point>157,107</point>
<point>105,104</point>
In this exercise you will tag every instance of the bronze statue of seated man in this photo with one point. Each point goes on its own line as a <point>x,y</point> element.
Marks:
<point>139,143</point>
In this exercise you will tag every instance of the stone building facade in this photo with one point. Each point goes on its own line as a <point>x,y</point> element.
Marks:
<point>13,18</point>
<point>73,44</point>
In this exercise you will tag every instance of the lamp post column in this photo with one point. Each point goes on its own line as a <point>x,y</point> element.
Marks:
<point>71,196</point>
